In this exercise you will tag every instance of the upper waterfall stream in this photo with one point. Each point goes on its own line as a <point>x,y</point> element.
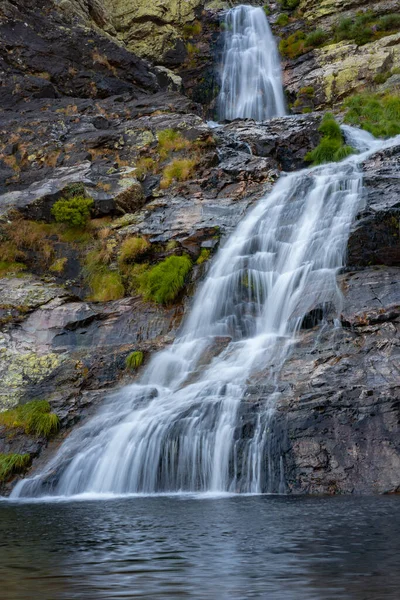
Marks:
<point>251,82</point>
<point>179,429</point>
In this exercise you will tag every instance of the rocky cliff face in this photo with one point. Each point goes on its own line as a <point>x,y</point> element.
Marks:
<point>86,96</point>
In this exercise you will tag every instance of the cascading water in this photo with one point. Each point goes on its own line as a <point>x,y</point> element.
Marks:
<point>179,429</point>
<point>251,82</point>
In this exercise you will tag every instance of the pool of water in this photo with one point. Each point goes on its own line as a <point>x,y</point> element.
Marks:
<point>274,548</point>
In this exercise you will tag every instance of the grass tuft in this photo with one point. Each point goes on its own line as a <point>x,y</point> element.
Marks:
<point>133,248</point>
<point>163,282</point>
<point>35,418</point>
<point>11,464</point>
<point>332,147</point>
<point>179,169</point>
<point>377,113</point>
<point>134,360</point>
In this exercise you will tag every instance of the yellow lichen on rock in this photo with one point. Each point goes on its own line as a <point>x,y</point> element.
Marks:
<point>19,370</point>
<point>151,28</point>
<point>345,68</point>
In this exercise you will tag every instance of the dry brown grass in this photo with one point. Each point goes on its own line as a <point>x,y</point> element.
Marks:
<point>101,59</point>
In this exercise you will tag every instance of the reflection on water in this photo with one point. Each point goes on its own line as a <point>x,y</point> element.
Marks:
<point>273,548</point>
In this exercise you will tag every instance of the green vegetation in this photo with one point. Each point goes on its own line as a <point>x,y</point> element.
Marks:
<point>11,464</point>
<point>332,147</point>
<point>10,268</point>
<point>144,166</point>
<point>267,10</point>
<point>179,169</point>
<point>365,27</point>
<point>299,43</point>
<point>35,418</point>
<point>204,256</point>
<point>377,113</point>
<point>282,20</point>
<point>316,38</point>
<point>289,4</point>
<point>163,282</point>
<point>74,212</point>
<point>170,140</point>
<point>132,248</point>
<point>134,360</point>
<point>105,284</point>
<point>58,265</point>
<point>192,29</point>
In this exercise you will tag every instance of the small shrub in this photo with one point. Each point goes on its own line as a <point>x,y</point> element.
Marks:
<point>294,45</point>
<point>282,20</point>
<point>192,29</point>
<point>315,38</point>
<point>360,29</point>
<point>331,148</point>
<point>34,417</point>
<point>178,170</point>
<point>74,212</point>
<point>289,4</point>
<point>307,91</point>
<point>382,77</point>
<point>389,22</point>
<point>10,268</point>
<point>134,360</point>
<point>132,248</point>
<point>163,282</point>
<point>11,464</point>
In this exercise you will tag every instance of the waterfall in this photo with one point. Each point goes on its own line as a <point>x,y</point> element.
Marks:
<point>181,428</point>
<point>251,82</point>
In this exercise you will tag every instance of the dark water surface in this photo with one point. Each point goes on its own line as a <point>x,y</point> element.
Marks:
<point>274,548</point>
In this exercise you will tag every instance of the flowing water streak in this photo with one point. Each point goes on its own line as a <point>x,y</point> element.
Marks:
<point>251,81</point>
<point>180,428</point>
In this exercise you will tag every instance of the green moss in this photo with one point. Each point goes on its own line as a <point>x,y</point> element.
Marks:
<point>74,212</point>
<point>389,22</point>
<point>332,147</point>
<point>204,255</point>
<point>377,113</point>
<point>11,464</point>
<point>34,417</point>
<point>163,282</point>
<point>134,360</point>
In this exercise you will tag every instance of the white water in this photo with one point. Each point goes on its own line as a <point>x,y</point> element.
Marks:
<point>180,429</point>
<point>251,82</point>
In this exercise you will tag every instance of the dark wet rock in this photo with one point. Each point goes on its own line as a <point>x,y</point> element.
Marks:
<point>63,347</point>
<point>51,58</point>
<point>376,234</point>
<point>338,397</point>
<point>286,139</point>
